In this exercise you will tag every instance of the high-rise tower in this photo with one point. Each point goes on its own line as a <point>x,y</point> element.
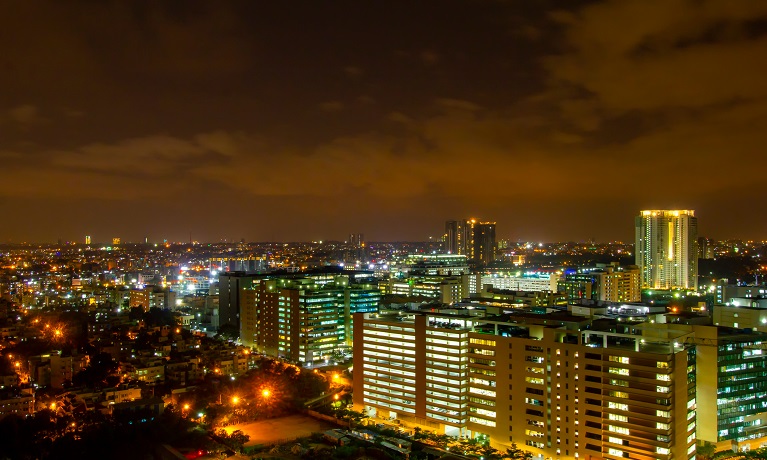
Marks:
<point>474,239</point>
<point>667,249</point>
<point>483,242</point>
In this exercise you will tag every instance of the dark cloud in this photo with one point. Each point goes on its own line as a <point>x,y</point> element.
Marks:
<point>303,120</point>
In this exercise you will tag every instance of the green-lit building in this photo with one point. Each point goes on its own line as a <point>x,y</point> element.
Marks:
<point>732,383</point>
<point>305,319</point>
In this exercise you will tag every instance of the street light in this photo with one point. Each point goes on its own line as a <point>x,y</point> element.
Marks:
<point>235,400</point>
<point>266,393</point>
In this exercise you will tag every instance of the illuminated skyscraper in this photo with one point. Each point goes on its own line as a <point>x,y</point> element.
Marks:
<point>667,249</point>
<point>474,239</point>
<point>483,242</point>
<point>87,239</point>
<point>458,236</point>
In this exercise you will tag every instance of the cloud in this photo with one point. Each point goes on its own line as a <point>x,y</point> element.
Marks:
<point>146,167</point>
<point>640,55</point>
<point>353,71</point>
<point>429,57</point>
<point>332,106</point>
<point>399,117</point>
<point>25,115</point>
<point>365,100</point>
<point>458,104</point>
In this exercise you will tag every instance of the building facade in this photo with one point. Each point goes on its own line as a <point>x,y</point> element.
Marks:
<point>473,238</point>
<point>667,249</point>
<point>230,286</point>
<point>539,282</point>
<point>483,242</point>
<point>444,288</point>
<point>304,319</point>
<point>556,386</point>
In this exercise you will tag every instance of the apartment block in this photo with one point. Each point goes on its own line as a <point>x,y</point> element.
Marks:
<point>561,386</point>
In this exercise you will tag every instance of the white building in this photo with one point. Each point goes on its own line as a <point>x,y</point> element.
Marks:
<point>529,282</point>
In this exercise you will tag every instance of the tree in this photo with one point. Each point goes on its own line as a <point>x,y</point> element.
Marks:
<point>228,332</point>
<point>235,440</point>
<point>515,453</point>
<point>705,450</point>
<point>100,372</point>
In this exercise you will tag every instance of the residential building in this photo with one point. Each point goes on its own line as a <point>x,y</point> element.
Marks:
<point>16,402</point>
<point>667,249</point>
<point>230,286</point>
<point>604,282</point>
<point>483,241</point>
<point>557,385</point>
<point>474,239</point>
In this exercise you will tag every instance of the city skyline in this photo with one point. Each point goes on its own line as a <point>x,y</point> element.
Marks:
<point>303,121</point>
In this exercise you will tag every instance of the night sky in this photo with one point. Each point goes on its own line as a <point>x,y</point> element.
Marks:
<point>310,120</point>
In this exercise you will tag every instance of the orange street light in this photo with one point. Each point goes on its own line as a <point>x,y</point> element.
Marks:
<point>53,406</point>
<point>235,400</point>
<point>186,406</point>
<point>266,393</point>
<point>335,397</point>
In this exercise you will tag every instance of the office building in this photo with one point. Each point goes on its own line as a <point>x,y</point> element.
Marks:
<point>87,239</point>
<point>306,319</point>
<point>446,289</point>
<point>500,300</point>
<point>667,249</point>
<point>430,264</point>
<point>742,313</point>
<point>732,383</point>
<point>532,282</point>
<point>579,286</point>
